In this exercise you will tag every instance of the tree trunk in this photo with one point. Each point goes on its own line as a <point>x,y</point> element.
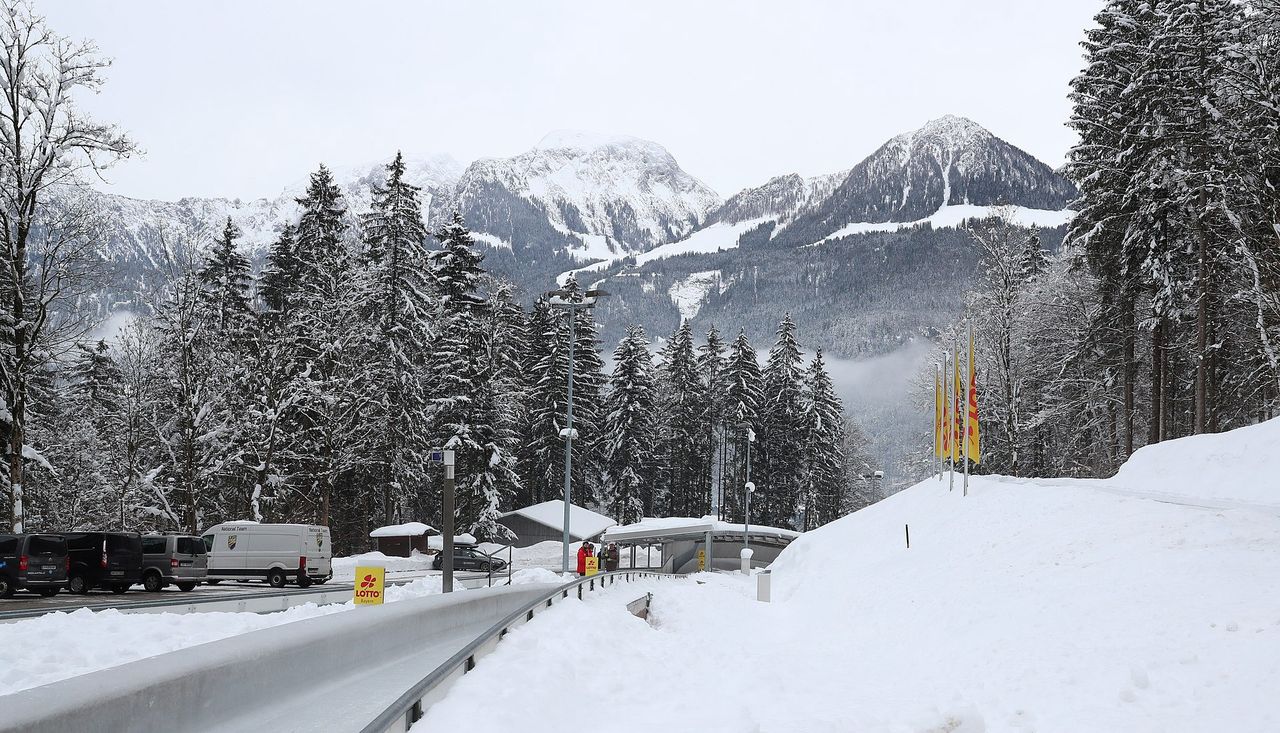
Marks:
<point>1130,372</point>
<point>1157,382</point>
<point>1202,332</point>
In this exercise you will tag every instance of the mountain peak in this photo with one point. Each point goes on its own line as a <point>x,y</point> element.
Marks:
<point>950,132</point>
<point>585,140</point>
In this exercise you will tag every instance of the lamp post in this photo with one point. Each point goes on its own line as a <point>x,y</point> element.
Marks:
<point>570,301</point>
<point>748,487</point>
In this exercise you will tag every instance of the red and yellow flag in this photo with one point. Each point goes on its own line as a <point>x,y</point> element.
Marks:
<point>957,412</point>
<point>938,416</point>
<point>944,399</point>
<point>975,453</point>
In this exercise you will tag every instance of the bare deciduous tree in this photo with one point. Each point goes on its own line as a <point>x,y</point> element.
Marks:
<point>45,142</point>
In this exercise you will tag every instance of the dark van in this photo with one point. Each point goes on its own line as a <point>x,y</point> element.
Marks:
<point>35,562</point>
<point>108,560</point>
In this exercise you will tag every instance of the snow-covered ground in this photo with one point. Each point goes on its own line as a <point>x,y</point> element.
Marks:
<point>1029,605</point>
<point>59,645</point>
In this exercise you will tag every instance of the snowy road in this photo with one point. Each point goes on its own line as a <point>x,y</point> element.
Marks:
<point>100,600</point>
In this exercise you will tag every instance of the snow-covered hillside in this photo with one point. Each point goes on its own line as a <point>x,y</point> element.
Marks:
<point>1043,605</point>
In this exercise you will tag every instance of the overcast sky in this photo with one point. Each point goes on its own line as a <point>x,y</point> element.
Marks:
<point>242,98</point>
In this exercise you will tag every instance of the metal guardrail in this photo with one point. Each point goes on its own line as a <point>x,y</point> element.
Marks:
<point>411,706</point>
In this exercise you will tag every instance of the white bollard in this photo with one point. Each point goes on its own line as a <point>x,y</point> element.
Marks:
<point>745,554</point>
<point>762,586</point>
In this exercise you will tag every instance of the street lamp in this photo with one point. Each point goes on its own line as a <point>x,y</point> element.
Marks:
<point>570,301</point>
<point>749,487</point>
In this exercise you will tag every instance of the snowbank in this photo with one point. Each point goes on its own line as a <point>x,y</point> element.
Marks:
<point>1055,606</point>
<point>1223,467</point>
<point>540,575</point>
<point>60,645</point>
<point>345,567</point>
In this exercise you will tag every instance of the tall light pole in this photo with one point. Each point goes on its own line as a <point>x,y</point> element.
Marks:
<point>748,487</point>
<point>570,301</point>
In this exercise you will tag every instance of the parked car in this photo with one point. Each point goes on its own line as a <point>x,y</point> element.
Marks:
<point>35,562</point>
<point>466,557</point>
<point>108,560</point>
<point>274,552</point>
<point>173,560</point>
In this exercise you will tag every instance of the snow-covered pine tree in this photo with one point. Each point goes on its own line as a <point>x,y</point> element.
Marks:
<point>631,430</point>
<point>777,465</point>
<point>324,325</point>
<point>548,379</point>
<point>1102,165</point>
<point>278,283</point>
<point>745,390</point>
<point>465,415</point>
<point>540,472</point>
<point>396,312</point>
<point>226,280</point>
<point>192,424</point>
<point>683,410</point>
<point>715,382</point>
<point>825,465</point>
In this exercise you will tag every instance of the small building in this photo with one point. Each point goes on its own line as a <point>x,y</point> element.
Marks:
<point>545,522</point>
<point>400,540</point>
<point>689,544</point>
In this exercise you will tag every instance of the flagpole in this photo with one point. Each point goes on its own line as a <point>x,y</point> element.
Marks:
<point>968,379</point>
<point>937,420</point>
<point>950,427</point>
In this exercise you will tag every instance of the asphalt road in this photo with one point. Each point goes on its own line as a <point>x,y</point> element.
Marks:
<point>98,599</point>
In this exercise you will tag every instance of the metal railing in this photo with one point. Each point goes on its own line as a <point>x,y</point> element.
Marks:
<point>494,555</point>
<point>411,706</point>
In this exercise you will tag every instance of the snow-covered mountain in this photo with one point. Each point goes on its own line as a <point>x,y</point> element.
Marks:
<point>950,170</point>
<point>593,196</point>
<point>573,196</point>
<point>951,161</point>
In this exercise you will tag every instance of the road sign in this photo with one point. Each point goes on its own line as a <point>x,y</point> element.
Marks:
<point>702,559</point>
<point>370,586</point>
<point>592,565</point>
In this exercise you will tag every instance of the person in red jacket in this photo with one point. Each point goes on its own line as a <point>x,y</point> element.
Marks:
<point>584,552</point>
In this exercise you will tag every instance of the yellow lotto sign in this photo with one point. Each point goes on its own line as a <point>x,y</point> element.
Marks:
<point>702,559</point>
<point>369,589</point>
<point>593,565</point>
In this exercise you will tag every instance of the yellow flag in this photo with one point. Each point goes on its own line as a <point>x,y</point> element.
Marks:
<point>975,454</point>
<point>938,417</point>
<point>957,412</point>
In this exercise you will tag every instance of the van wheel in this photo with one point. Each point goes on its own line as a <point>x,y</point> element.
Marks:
<point>276,578</point>
<point>119,589</point>
<point>304,581</point>
<point>152,582</point>
<point>49,592</point>
<point>186,587</point>
<point>6,587</point>
<point>214,581</point>
<point>77,585</point>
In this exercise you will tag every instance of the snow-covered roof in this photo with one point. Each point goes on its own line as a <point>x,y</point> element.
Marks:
<point>658,527</point>
<point>582,522</point>
<point>408,529</point>
<point>436,542</point>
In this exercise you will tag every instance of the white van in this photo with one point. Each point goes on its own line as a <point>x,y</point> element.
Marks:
<point>276,552</point>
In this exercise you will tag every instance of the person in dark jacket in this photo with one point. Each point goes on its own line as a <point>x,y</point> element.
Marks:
<point>584,552</point>
<point>612,557</point>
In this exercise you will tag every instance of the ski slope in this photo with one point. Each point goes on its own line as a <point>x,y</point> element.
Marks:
<point>1030,605</point>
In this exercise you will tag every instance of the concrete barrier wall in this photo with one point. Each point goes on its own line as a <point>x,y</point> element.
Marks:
<point>214,686</point>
